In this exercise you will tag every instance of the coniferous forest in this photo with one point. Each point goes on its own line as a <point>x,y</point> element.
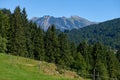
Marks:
<point>21,37</point>
<point>107,32</point>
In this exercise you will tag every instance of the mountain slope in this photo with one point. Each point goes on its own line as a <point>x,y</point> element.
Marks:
<point>61,23</point>
<point>107,32</point>
<point>19,68</point>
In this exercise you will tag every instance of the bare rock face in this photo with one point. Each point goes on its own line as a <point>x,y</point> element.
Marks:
<point>62,23</point>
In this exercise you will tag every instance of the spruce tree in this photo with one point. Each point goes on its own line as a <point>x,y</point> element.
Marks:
<point>51,45</point>
<point>31,39</point>
<point>65,53</point>
<point>25,30</point>
<point>3,46</point>
<point>11,36</point>
<point>113,65</point>
<point>118,55</point>
<point>19,47</point>
<point>4,24</point>
<point>83,48</point>
<point>80,65</point>
<point>101,71</point>
<point>96,57</point>
<point>39,51</point>
<point>73,49</point>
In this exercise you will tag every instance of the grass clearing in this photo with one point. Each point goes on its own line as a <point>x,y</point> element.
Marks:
<point>19,68</point>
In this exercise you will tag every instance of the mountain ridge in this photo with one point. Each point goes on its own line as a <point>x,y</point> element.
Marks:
<point>62,23</point>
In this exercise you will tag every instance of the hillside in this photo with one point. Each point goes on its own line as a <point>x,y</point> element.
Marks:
<point>19,68</point>
<point>107,32</point>
<point>62,23</point>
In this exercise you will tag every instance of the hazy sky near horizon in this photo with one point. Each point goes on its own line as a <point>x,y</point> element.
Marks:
<point>94,10</point>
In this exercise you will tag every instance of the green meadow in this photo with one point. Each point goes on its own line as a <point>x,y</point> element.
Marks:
<point>19,68</point>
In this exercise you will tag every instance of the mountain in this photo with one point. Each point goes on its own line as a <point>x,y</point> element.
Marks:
<point>62,23</point>
<point>107,32</point>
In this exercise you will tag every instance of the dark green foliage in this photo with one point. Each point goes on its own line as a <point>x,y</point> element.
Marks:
<point>39,51</point>
<point>107,33</point>
<point>4,24</point>
<point>83,48</point>
<point>19,34</point>
<point>30,37</point>
<point>97,59</point>
<point>3,46</point>
<point>65,53</point>
<point>25,30</point>
<point>118,54</point>
<point>79,65</point>
<point>6,11</point>
<point>10,36</point>
<point>101,71</point>
<point>51,45</point>
<point>113,65</point>
<point>73,49</point>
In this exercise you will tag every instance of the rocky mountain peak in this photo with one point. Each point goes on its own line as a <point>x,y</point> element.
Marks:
<point>62,23</point>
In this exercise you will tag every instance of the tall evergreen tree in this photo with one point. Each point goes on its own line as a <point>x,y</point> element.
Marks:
<point>39,51</point>
<point>83,48</point>
<point>4,24</point>
<point>26,29</point>
<point>73,49</point>
<point>19,47</point>
<point>51,45</point>
<point>96,57</point>
<point>113,65</point>
<point>65,53</point>
<point>79,65</point>
<point>3,46</point>
<point>30,39</point>
<point>101,71</point>
<point>118,55</point>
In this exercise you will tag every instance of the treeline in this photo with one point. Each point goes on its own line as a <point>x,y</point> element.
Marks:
<point>21,37</point>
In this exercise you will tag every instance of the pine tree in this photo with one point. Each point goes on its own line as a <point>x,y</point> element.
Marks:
<point>83,48</point>
<point>73,49</point>
<point>80,65</point>
<point>25,30</point>
<point>65,53</point>
<point>118,55</point>
<point>96,57</point>
<point>3,46</point>
<point>51,45</point>
<point>113,65</point>
<point>101,71</point>
<point>39,51</point>
<point>19,45</point>
<point>4,24</point>
<point>30,39</point>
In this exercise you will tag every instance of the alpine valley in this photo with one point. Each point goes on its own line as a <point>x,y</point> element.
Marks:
<point>58,48</point>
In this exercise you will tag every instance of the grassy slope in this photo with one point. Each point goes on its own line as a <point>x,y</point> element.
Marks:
<point>19,68</point>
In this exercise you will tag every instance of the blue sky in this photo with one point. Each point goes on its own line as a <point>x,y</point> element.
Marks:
<point>94,10</point>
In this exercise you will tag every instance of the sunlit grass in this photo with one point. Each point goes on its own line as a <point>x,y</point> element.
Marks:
<point>19,68</point>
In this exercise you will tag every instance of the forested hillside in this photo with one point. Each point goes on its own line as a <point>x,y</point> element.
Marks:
<point>20,37</point>
<point>107,32</point>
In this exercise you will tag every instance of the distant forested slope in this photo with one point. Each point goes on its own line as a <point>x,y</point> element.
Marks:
<point>107,32</point>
